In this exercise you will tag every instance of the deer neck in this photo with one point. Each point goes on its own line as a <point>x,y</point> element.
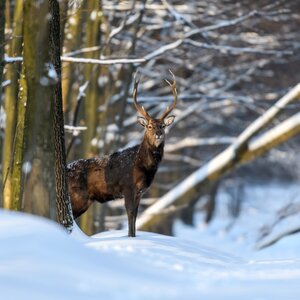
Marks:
<point>149,156</point>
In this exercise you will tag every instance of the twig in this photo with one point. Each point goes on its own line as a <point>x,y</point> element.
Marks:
<point>238,50</point>
<point>222,24</point>
<point>176,14</point>
<point>82,50</point>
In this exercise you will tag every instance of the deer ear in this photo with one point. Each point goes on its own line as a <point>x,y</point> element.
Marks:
<point>169,120</point>
<point>142,121</point>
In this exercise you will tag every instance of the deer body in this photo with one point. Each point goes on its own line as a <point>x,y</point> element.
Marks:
<point>128,173</point>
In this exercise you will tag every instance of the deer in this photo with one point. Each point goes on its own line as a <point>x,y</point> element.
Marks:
<point>126,173</point>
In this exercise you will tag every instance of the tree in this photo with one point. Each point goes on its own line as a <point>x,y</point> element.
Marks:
<point>63,204</point>
<point>38,159</point>
<point>11,104</point>
<point>91,74</point>
<point>38,180</point>
<point>2,43</point>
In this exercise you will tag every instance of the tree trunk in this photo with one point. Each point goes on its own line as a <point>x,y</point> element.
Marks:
<point>91,74</point>
<point>91,103</point>
<point>2,40</point>
<point>19,150</point>
<point>63,203</point>
<point>39,190</point>
<point>11,97</point>
<point>71,43</point>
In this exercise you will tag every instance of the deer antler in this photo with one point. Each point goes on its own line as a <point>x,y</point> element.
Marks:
<point>141,110</point>
<point>173,88</point>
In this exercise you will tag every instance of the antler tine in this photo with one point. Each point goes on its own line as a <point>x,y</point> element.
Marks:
<point>141,110</point>
<point>174,91</point>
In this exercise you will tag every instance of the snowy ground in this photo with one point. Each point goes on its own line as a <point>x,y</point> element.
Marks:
<point>261,211</point>
<point>38,260</point>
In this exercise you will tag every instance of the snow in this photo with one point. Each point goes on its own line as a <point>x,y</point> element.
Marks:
<point>38,260</point>
<point>261,208</point>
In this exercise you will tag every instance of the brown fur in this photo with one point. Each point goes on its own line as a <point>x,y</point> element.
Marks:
<point>128,173</point>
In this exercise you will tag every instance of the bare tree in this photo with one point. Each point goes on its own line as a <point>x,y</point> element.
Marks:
<point>11,106</point>
<point>63,204</point>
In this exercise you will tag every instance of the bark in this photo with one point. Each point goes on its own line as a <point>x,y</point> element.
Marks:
<point>63,203</point>
<point>63,8</point>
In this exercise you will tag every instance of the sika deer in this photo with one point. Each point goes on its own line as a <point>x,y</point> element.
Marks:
<point>127,173</point>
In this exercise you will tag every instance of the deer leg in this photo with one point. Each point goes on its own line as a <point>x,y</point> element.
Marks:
<point>129,205</point>
<point>134,218</point>
<point>131,223</point>
<point>132,205</point>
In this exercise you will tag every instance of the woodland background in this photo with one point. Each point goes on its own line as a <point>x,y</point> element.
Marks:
<point>233,61</point>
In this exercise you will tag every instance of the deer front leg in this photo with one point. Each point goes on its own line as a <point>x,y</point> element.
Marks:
<point>131,221</point>
<point>131,205</point>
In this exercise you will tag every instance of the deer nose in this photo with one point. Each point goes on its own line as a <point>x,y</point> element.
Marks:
<point>158,135</point>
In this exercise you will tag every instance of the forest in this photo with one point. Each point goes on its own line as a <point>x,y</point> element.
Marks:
<point>231,160</point>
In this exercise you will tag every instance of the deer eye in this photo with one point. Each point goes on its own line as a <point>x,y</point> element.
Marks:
<point>149,126</point>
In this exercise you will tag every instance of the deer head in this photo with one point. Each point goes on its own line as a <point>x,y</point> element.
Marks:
<point>155,128</point>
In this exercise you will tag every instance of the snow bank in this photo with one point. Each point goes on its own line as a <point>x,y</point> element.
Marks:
<point>38,260</point>
<point>258,223</point>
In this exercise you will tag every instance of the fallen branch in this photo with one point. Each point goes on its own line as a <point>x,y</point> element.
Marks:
<point>228,160</point>
<point>196,142</point>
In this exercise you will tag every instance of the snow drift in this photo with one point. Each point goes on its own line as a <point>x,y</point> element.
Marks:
<point>38,260</point>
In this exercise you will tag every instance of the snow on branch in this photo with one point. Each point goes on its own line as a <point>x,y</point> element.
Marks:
<point>196,142</point>
<point>75,130</point>
<point>238,50</point>
<point>186,39</point>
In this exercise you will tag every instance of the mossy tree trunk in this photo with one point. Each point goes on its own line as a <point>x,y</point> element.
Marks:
<point>39,183</point>
<point>2,41</point>
<point>17,162</point>
<point>11,97</point>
